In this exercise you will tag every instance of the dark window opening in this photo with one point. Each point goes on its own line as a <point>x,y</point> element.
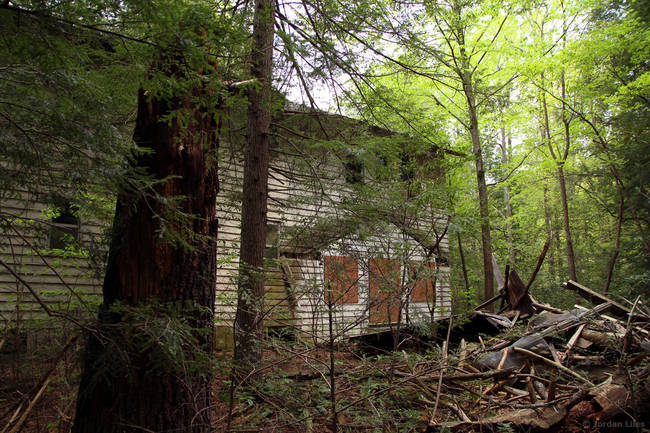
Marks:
<point>64,228</point>
<point>271,248</point>
<point>353,169</point>
<point>407,167</point>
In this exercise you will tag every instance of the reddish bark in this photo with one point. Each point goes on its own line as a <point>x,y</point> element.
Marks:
<point>147,269</point>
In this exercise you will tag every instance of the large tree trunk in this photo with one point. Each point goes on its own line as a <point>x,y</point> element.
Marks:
<point>486,242</point>
<point>143,370</point>
<point>249,320</point>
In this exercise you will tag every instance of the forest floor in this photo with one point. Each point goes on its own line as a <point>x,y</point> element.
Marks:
<point>292,394</point>
<point>467,379</point>
<point>395,392</point>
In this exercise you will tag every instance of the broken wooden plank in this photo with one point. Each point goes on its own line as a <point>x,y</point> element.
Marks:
<point>488,302</point>
<point>546,307</point>
<point>571,322</point>
<point>617,322</point>
<point>574,338</point>
<point>595,297</point>
<point>518,294</point>
<point>497,274</point>
<point>556,356</point>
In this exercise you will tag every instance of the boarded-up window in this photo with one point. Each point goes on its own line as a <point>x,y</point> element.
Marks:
<point>424,285</point>
<point>384,290</point>
<point>342,279</point>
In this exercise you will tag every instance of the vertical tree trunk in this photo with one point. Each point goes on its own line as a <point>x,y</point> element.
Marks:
<point>560,160</point>
<point>486,242</point>
<point>548,220</point>
<point>617,247</point>
<point>249,323</point>
<point>560,175</point>
<point>505,159</point>
<point>565,219</point>
<point>135,379</point>
<point>465,75</point>
<point>464,267</point>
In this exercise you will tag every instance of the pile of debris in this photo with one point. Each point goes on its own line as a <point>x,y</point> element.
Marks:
<point>581,370</point>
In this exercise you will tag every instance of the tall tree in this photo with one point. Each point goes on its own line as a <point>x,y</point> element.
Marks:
<point>463,54</point>
<point>561,154</point>
<point>147,366</point>
<point>249,320</point>
<point>506,155</point>
<point>173,281</point>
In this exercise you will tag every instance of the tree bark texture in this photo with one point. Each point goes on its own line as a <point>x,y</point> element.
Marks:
<point>560,160</point>
<point>130,387</point>
<point>548,222</point>
<point>484,212</point>
<point>617,247</point>
<point>249,320</point>
<point>560,175</point>
<point>465,76</point>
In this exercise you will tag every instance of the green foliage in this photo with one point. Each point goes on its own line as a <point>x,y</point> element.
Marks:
<point>154,339</point>
<point>599,51</point>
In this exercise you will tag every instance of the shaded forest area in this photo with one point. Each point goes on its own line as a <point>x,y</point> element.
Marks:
<point>507,140</point>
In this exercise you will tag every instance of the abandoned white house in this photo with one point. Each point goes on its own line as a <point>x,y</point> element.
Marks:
<point>322,253</point>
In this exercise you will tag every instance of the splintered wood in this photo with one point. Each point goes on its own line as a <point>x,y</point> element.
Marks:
<point>562,371</point>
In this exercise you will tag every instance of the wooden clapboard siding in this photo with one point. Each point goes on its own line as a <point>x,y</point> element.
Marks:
<point>303,190</point>
<point>64,281</point>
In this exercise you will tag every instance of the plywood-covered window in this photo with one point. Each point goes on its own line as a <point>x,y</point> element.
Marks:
<point>384,290</point>
<point>424,285</point>
<point>341,279</point>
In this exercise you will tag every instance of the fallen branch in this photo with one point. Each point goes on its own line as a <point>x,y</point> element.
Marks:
<point>40,390</point>
<point>496,374</point>
<point>554,364</point>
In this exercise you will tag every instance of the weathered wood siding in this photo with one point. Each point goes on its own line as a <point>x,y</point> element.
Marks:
<point>299,198</point>
<point>303,192</point>
<point>65,281</point>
